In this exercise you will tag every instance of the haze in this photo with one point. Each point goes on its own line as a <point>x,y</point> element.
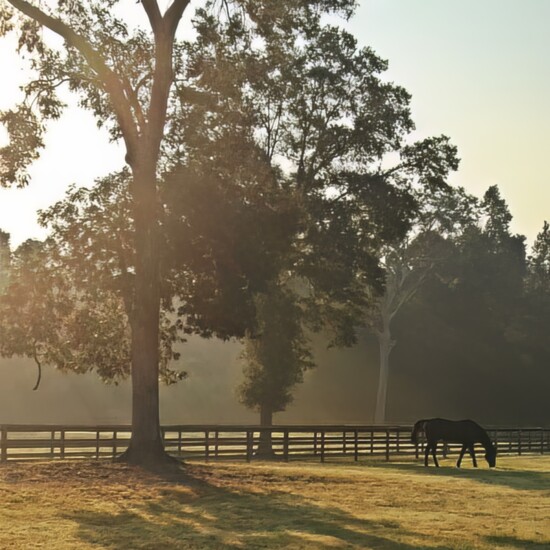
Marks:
<point>477,71</point>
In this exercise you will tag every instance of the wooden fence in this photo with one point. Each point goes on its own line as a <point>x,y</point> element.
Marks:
<point>23,442</point>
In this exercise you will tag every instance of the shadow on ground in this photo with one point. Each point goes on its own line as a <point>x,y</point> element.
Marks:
<point>514,542</point>
<point>530,480</point>
<point>200,515</point>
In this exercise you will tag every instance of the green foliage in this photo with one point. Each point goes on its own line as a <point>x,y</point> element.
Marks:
<point>91,238</point>
<point>473,340</point>
<point>226,242</point>
<point>69,301</point>
<point>276,355</point>
<point>25,138</point>
<point>498,215</point>
<point>539,262</point>
<point>320,112</point>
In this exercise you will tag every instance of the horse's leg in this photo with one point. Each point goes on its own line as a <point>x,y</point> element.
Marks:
<point>426,453</point>
<point>434,451</point>
<point>461,456</point>
<point>473,455</point>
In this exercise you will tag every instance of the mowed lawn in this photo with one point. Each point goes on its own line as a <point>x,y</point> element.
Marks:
<point>396,505</point>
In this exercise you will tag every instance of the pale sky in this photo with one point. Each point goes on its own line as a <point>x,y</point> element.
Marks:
<point>478,71</point>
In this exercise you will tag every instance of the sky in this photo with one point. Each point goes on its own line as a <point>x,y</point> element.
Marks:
<point>478,71</point>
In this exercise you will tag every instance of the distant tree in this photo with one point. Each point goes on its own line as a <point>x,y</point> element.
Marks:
<point>441,215</point>
<point>500,262</point>
<point>468,340</point>
<point>276,358</point>
<point>539,262</point>
<point>30,308</point>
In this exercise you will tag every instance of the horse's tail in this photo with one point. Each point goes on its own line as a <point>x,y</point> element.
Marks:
<point>417,428</point>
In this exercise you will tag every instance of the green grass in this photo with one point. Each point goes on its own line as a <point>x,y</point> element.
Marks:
<point>396,505</point>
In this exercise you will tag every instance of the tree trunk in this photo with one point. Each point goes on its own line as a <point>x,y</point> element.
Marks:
<point>146,446</point>
<point>265,446</point>
<point>385,344</point>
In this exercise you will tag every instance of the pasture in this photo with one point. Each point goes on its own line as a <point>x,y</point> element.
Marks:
<point>341,504</point>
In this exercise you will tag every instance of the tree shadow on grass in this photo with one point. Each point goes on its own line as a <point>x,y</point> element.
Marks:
<point>514,542</point>
<point>530,480</point>
<point>212,517</point>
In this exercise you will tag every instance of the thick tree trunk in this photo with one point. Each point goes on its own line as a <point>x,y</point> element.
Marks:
<point>146,446</point>
<point>385,344</point>
<point>265,446</point>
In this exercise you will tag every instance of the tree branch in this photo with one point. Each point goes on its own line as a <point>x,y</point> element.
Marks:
<point>173,15</point>
<point>132,96</point>
<point>39,365</point>
<point>162,76</point>
<point>112,84</point>
<point>153,13</point>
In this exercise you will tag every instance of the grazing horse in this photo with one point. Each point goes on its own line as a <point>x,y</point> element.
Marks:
<point>466,432</point>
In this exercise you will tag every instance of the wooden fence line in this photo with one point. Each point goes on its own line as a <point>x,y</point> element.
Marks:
<point>215,442</point>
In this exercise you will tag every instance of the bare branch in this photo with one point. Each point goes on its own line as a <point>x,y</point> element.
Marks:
<point>39,365</point>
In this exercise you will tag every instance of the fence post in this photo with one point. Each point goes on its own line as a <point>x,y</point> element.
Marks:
<point>355,445</point>
<point>387,445</point>
<point>344,442</point>
<point>207,446</point>
<point>97,444</point>
<point>62,443</point>
<point>4,445</point>
<point>285,446</point>
<point>315,443</point>
<point>179,442</point>
<point>114,443</point>
<point>216,443</point>
<point>541,441</point>
<point>52,443</point>
<point>323,446</point>
<point>519,442</point>
<point>372,442</point>
<point>398,433</point>
<point>248,445</point>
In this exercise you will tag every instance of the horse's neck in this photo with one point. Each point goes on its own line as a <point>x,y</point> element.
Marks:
<point>485,440</point>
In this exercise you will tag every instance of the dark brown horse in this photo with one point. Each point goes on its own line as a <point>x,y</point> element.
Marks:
<point>466,432</point>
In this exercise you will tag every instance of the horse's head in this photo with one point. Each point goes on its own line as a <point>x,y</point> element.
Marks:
<point>491,456</point>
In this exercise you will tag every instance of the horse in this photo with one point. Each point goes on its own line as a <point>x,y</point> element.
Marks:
<point>466,432</point>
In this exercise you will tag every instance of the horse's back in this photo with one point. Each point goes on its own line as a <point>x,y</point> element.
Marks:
<point>452,431</point>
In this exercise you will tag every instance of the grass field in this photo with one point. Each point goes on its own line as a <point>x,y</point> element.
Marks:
<point>396,505</point>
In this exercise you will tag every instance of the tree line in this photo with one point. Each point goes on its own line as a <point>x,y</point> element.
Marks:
<point>271,191</point>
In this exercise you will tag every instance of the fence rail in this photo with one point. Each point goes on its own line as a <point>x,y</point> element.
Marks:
<point>215,442</point>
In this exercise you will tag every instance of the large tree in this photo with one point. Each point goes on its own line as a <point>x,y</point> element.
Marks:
<point>319,110</point>
<point>125,77</point>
